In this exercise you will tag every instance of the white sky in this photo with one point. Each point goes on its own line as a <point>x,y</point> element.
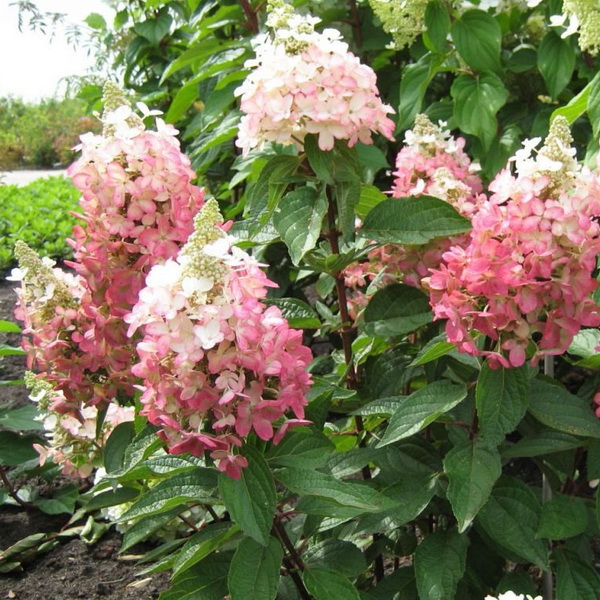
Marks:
<point>32,64</point>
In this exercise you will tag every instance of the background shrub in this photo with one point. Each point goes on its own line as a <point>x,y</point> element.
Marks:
<point>38,214</point>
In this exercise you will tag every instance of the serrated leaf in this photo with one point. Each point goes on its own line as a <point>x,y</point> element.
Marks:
<point>112,498</point>
<point>434,349</point>
<point>6,350</point>
<point>297,313</point>
<point>16,449</point>
<point>264,196</point>
<point>414,220</point>
<point>204,581</point>
<point>298,220</point>
<point>172,463</point>
<point>575,578</point>
<point>325,584</point>
<point>412,494</point>
<point>422,408</point>
<point>511,519</point>
<point>584,344</point>
<point>501,398</point>
<point>21,419</point>
<point>251,499</point>
<point>174,491</point>
<point>154,30</point>
<point>254,571</point>
<point>397,309</point>
<point>370,196</point>
<point>440,561</point>
<point>351,494</point>
<point>555,407</point>
<point>563,517</point>
<point>146,526</point>
<point>556,61</point>
<point>545,442</point>
<point>63,501</point>
<point>339,555</point>
<point>201,544</point>
<point>472,469</point>
<point>477,100</point>
<point>399,585</point>
<point>478,37</point>
<point>134,451</point>
<point>311,449</point>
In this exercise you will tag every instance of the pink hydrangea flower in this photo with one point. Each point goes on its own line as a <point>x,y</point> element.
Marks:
<point>306,82</point>
<point>216,363</point>
<point>525,278</point>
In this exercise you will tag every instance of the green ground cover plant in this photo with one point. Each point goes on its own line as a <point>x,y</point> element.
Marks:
<point>38,214</point>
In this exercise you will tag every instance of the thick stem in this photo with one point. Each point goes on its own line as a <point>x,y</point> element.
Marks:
<point>12,492</point>
<point>292,561</point>
<point>251,16</point>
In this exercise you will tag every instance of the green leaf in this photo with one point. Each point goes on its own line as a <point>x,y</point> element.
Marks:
<point>298,220</point>
<point>370,196</point>
<point>440,561</point>
<point>264,196</point>
<point>472,469</point>
<point>183,99</point>
<point>154,30</point>
<point>337,555</point>
<point>326,584</point>
<point>254,571</point>
<point>397,309</point>
<point>556,62</point>
<point>415,220</point>
<point>146,526</point>
<point>205,581</point>
<point>477,100</point>
<point>16,449</point>
<point>399,585</point>
<point>21,419</point>
<point>310,448</point>
<point>6,350</point>
<point>545,442</point>
<point>575,107</point>
<point>338,164</point>
<point>412,493</point>
<point>306,482</point>
<point>63,501</point>
<point>555,407</point>
<point>347,196</point>
<point>8,327</point>
<point>575,578</point>
<point>201,544</point>
<point>96,21</point>
<point>422,408</point>
<point>501,400</point>
<point>416,78</point>
<point>511,519</point>
<point>584,344</point>
<point>563,517</point>
<point>297,313</point>
<point>112,498</point>
<point>434,349</point>
<point>372,160</point>
<point>593,105</point>
<point>478,37</point>
<point>251,499</point>
<point>437,22</point>
<point>174,491</point>
<point>116,446</point>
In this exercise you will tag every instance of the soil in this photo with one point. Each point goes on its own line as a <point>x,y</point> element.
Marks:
<point>72,570</point>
